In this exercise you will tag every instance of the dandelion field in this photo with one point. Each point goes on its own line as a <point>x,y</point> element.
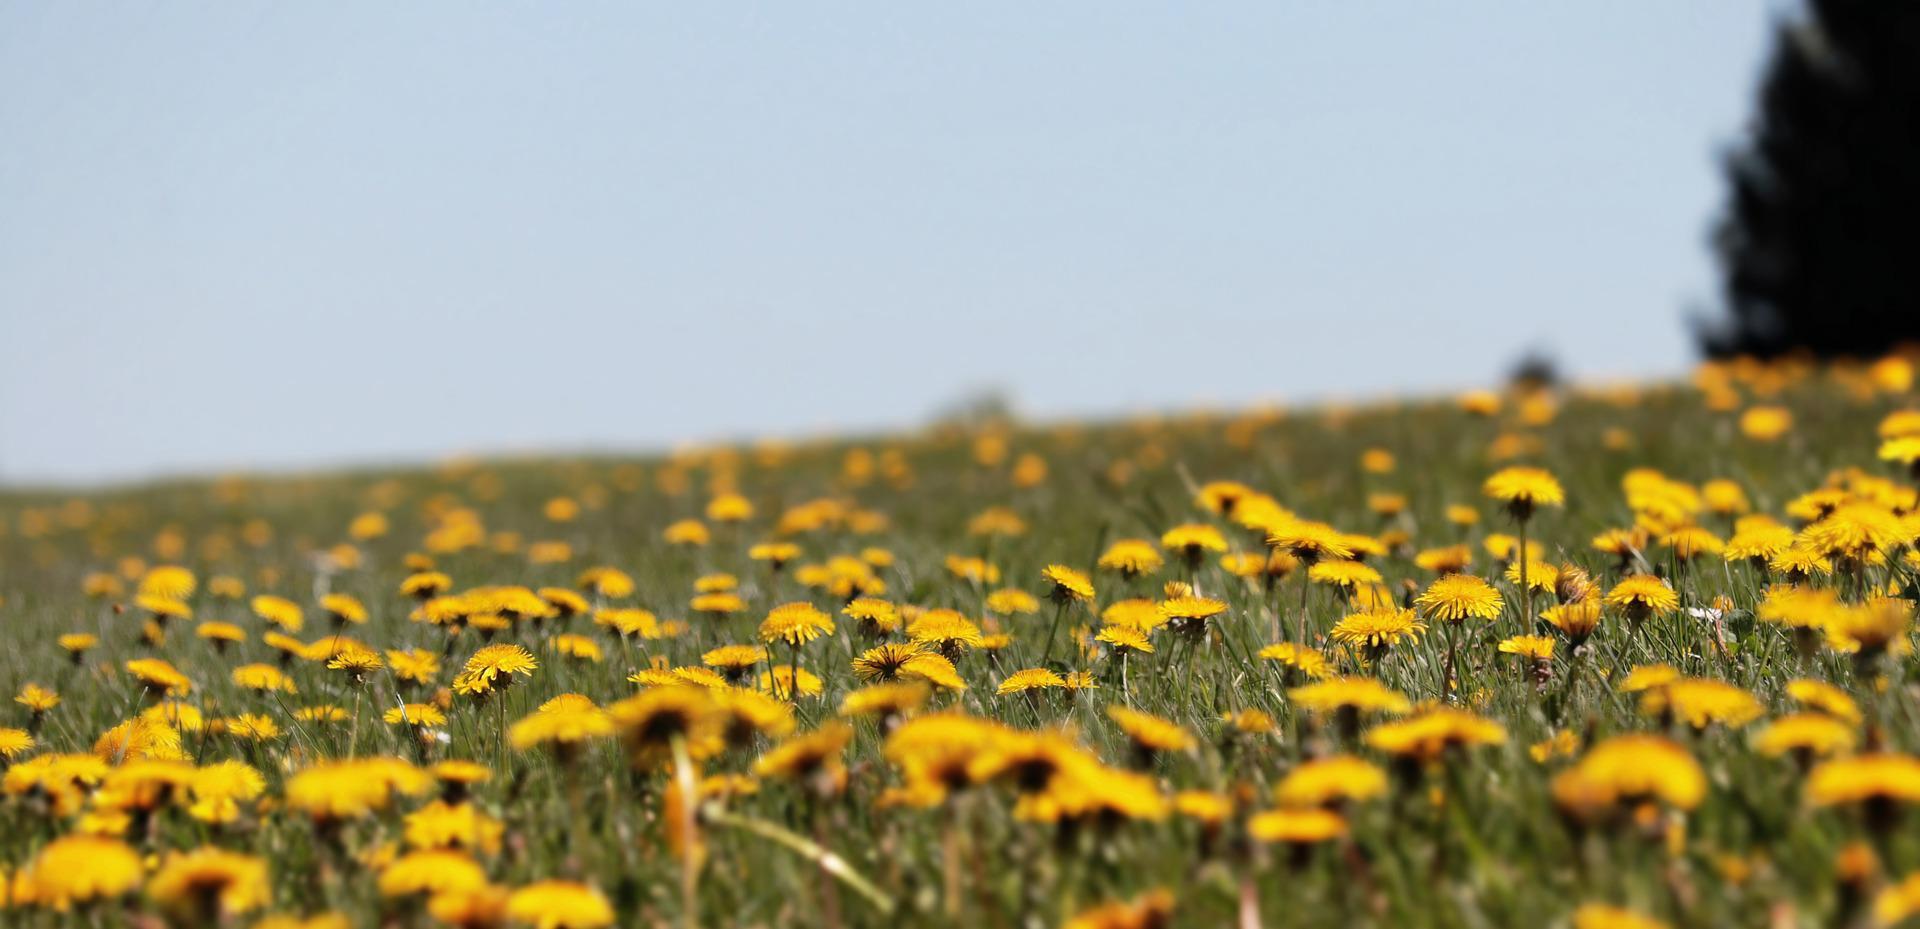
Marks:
<point>1623,657</point>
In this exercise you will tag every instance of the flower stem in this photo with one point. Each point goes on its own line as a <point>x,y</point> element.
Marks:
<point>690,842</point>
<point>1303,602</point>
<point>1059,610</point>
<point>1526,589</point>
<point>807,848</point>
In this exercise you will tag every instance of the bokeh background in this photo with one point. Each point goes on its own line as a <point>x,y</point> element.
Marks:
<point>278,236</point>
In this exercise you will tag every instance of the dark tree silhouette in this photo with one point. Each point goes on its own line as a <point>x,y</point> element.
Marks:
<point>1534,370</point>
<point>1820,245</point>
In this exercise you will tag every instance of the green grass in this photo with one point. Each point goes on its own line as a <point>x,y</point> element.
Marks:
<point>1493,852</point>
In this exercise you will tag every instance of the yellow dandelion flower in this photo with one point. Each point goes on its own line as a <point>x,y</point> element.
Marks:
<point>210,883</point>
<point>1577,620</point>
<point>795,624</point>
<point>1123,639</point>
<point>1306,660</point>
<point>1193,539</point>
<point>1308,541</point>
<point>1374,630</point>
<point>1305,826</point>
<point>1029,679</point>
<point>873,616</point>
<point>77,869</point>
<point>1430,734</point>
<point>559,905</point>
<point>1131,558</point>
<point>1825,698</point>
<point>1067,585</point>
<point>945,630</point>
<point>1148,911</point>
<point>14,742</point>
<point>159,676</point>
<point>1455,597</point>
<point>1882,625</point>
<point>1531,647</point>
<point>1356,694</point>
<point>279,611</point>
<point>803,756</point>
<point>1700,702</point>
<point>431,871</point>
<point>1347,575</point>
<point>1601,916</point>
<point>1150,733</point>
<point>37,699</point>
<point>1329,781</point>
<point>1635,767</point>
<point>494,666</point>
<point>1805,734</point>
<point>1523,489</point>
<point>1879,778</point>
<point>1641,596</point>
<point>885,700</point>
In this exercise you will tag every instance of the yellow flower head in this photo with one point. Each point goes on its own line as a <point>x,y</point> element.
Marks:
<point>1880,777</point>
<point>1882,625</point>
<point>1192,539</point>
<point>886,700</point>
<point>1123,639</point>
<point>1356,694</point>
<point>561,726</point>
<point>1428,735</point>
<point>1331,780</point>
<point>1809,734</point>
<point>803,756</point>
<point>1306,660</point>
<point>344,608</point>
<point>1151,733</point>
<point>1131,558</point>
<point>210,883</point>
<point>1309,541</point>
<point>1643,595</point>
<point>946,630</point>
<point>494,666</point>
<point>1577,620</point>
<point>1524,489</point>
<point>1029,679</point>
<point>1458,596</point>
<point>1190,609</point>
<point>1700,702</point>
<point>1531,647</point>
<point>77,869</point>
<point>1009,601</point>
<point>1635,767</point>
<point>279,611</point>
<point>37,699</point>
<point>1067,585</point>
<point>159,676</point>
<point>1344,574</point>
<point>559,905</point>
<point>1148,911</point>
<point>431,871</point>
<point>795,624</point>
<point>1825,698</point>
<point>1601,916</point>
<point>1301,826</point>
<point>873,615</point>
<point>1374,630</point>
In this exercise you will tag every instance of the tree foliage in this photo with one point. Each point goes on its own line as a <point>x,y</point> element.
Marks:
<point>1820,245</point>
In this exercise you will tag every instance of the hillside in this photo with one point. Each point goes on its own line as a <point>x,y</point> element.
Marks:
<point>1270,666</point>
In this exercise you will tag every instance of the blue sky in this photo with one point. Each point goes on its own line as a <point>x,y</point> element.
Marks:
<point>286,235</point>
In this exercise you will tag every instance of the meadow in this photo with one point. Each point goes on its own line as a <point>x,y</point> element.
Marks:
<point>1605,658</point>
